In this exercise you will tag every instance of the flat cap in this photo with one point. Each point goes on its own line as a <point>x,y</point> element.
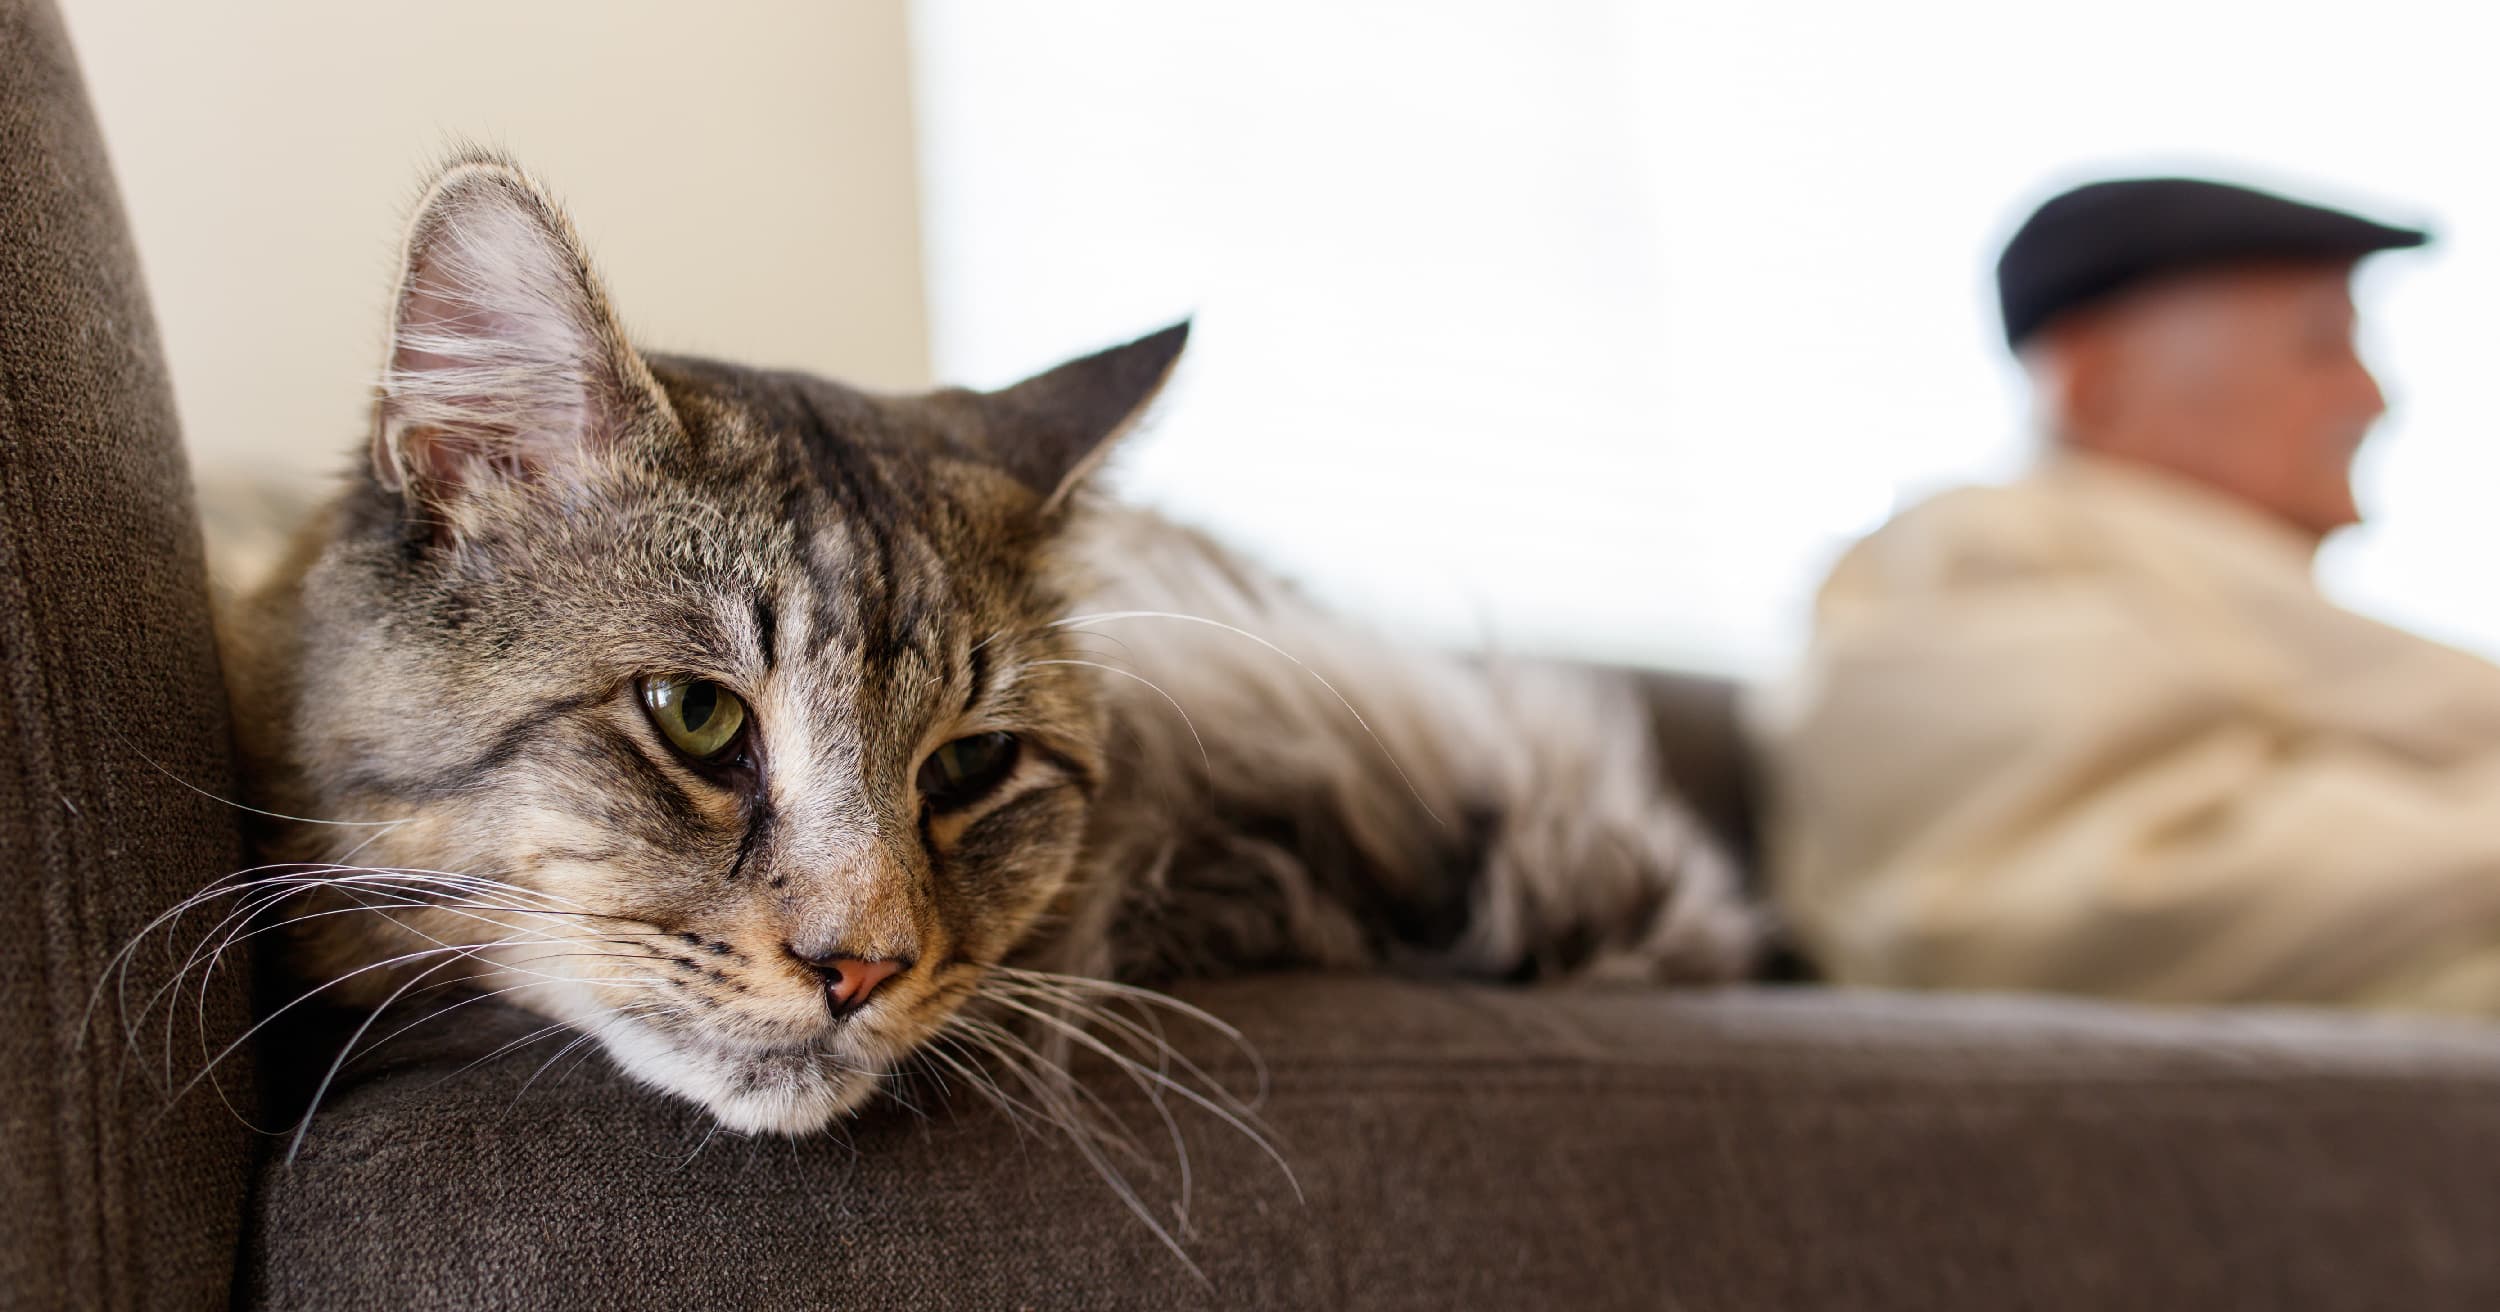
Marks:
<point>2084,244</point>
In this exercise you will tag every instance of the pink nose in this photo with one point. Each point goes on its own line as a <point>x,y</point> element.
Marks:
<point>849,980</point>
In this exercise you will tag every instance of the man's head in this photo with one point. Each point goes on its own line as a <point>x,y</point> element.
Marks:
<point>2242,378</point>
<point>2202,329</point>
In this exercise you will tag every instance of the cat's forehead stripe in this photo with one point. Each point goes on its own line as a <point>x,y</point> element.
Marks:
<point>766,627</point>
<point>979,683</point>
<point>882,590</point>
<point>871,537</point>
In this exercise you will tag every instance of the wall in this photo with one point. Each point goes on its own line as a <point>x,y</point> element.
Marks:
<point>747,181</point>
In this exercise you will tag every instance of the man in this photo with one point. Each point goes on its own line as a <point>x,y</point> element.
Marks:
<point>2098,731</point>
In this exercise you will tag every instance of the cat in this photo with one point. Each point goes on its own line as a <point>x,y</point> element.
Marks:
<point>767,730</point>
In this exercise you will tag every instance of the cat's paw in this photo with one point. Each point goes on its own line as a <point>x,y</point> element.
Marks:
<point>1628,893</point>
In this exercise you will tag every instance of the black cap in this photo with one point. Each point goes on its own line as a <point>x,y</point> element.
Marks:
<point>2098,238</point>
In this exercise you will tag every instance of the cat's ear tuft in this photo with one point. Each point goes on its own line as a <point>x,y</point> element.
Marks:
<point>505,363</point>
<point>1051,430</point>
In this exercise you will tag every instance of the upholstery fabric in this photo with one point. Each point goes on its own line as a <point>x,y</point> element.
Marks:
<point>1462,1147</point>
<point>109,691</point>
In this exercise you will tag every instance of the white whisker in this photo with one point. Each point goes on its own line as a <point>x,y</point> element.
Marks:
<point>1192,725</point>
<point>1077,1034</point>
<point>228,801</point>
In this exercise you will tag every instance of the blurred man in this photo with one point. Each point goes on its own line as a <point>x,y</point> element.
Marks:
<point>2098,730</point>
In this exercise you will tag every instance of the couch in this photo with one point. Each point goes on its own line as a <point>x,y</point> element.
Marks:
<point>1758,1147</point>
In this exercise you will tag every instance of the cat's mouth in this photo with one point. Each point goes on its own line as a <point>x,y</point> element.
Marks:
<point>786,1069</point>
<point>789,1088</point>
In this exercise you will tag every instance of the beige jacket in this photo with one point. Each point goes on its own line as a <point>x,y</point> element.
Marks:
<point>2099,732</point>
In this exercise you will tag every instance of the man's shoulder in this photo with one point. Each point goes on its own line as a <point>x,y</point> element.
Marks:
<point>2027,527</point>
<point>1978,508</point>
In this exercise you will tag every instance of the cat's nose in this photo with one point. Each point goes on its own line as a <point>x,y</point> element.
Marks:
<point>848,979</point>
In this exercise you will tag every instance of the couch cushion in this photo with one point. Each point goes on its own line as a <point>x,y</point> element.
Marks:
<point>1462,1147</point>
<point>108,689</point>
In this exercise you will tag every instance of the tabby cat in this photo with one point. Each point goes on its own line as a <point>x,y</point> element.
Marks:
<point>763,729</point>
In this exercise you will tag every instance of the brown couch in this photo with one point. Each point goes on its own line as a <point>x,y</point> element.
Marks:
<point>1758,1148</point>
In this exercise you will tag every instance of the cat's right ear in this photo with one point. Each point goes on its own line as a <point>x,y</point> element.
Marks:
<point>1052,430</point>
<point>506,372</point>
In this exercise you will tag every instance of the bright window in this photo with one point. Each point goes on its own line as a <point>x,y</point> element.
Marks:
<point>1602,327</point>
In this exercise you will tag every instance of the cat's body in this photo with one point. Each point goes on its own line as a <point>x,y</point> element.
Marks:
<point>766,729</point>
<point>1335,799</point>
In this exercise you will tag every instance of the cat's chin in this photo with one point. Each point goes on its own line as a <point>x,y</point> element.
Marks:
<point>785,1091</point>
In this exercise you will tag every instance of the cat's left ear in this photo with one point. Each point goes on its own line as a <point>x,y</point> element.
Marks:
<point>507,371</point>
<point>1051,430</point>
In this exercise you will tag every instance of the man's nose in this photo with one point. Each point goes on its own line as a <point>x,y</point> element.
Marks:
<point>2372,397</point>
<point>848,978</point>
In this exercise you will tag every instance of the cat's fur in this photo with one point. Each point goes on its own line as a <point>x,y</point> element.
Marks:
<point>1213,774</point>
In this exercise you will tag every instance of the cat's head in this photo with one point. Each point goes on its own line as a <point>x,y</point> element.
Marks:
<point>741,687</point>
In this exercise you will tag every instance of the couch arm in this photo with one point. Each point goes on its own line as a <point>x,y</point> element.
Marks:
<point>108,689</point>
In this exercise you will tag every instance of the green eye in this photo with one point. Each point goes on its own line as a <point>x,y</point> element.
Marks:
<point>962,771</point>
<point>697,716</point>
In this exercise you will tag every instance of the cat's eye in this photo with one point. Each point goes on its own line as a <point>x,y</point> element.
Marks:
<point>965,770</point>
<point>697,716</point>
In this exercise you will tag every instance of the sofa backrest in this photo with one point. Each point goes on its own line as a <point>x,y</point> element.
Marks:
<point>1695,724</point>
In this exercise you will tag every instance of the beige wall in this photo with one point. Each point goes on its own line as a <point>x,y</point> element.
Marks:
<point>744,172</point>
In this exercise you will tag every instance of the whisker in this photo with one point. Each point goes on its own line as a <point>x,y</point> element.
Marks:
<point>1077,1034</point>
<point>228,801</point>
<point>440,1012</point>
<point>942,1047</point>
<point>293,877</point>
<point>321,1090</point>
<point>1192,725</point>
<point>586,1036</point>
<point>1154,1042</point>
<point>120,959</point>
<point>1088,1148</point>
<point>700,1145</point>
<point>1154,1094</point>
<point>1150,998</point>
<point>1065,1100</point>
<point>308,995</point>
<point>523,1041</point>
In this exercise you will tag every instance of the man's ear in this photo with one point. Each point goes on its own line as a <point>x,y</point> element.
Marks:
<point>506,367</point>
<point>2077,366</point>
<point>1051,430</point>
